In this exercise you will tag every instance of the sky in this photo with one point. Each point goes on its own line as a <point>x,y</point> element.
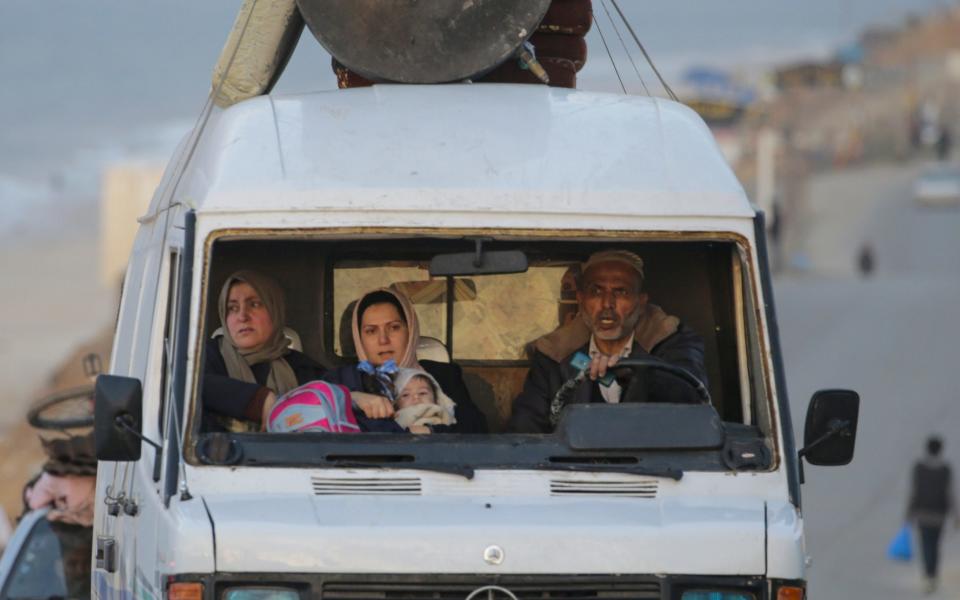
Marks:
<point>88,83</point>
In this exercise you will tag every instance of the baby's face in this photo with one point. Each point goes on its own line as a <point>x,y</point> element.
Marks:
<point>417,391</point>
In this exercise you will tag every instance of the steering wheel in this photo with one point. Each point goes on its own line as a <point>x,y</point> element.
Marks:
<point>635,391</point>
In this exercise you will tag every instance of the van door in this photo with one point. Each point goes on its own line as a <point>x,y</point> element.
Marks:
<point>125,542</point>
<point>144,537</point>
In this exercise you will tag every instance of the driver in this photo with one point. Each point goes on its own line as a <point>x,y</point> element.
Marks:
<point>615,322</point>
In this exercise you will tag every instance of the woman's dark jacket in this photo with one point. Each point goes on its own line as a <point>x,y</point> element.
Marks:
<point>450,378</point>
<point>223,395</point>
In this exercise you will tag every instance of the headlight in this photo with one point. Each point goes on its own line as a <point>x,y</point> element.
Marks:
<point>260,593</point>
<point>715,595</point>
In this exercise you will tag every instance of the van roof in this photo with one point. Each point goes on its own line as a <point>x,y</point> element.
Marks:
<point>486,147</point>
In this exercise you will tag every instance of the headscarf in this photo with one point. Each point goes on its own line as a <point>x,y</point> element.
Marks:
<point>281,378</point>
<point>440,413</point>
<point>408,359</point>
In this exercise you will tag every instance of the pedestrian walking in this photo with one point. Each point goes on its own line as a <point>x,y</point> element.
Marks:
<point>944,143</point>
<point>865,260</point>
<point>931,502</point>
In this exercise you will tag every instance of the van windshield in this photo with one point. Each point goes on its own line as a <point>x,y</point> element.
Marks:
<point>373,358</point>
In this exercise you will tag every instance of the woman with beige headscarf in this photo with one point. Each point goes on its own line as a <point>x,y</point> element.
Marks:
<point>386,333</point>
<point>248,362</point>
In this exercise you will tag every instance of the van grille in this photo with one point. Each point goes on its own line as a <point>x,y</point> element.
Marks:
<point>630,488</point>
<point>355,486</point>
<point>544,589</point>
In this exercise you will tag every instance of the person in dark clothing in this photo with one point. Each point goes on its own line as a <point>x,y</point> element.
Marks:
<point>249,362</point>
<point>616,321</point>
<point>944,143</point>
<point>865,260</point>
<point>931,502</point>
<point>386,333</point>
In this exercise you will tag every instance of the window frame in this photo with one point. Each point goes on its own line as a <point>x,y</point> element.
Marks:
<point>761,380</point>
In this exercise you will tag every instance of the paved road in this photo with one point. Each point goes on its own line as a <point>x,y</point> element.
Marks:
<point>894,338</point>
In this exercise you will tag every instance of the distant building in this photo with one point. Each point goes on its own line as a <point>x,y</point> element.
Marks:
<point>126,190</point>
<point>810,75</point>
<point>877,39</point>
<point>718,97</point>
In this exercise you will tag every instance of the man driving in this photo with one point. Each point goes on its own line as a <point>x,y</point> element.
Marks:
<point>615,321</point>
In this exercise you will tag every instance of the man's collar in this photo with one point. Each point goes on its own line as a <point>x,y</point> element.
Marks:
<point>624,352</point>
<point>653,327</point>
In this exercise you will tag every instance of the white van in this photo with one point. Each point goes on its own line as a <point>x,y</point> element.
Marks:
<point>335,193</point>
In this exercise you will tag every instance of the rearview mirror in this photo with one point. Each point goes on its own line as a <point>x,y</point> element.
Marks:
<point>479,263</point>
<point>118,408</point>
<point>830,433</point>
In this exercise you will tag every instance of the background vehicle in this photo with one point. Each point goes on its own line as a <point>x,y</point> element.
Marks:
<point>48,553</point>
<point>938,185</point>
<point>46,560</point>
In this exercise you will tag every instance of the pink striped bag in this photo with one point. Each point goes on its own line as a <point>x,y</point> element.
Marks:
<point>317,406</point>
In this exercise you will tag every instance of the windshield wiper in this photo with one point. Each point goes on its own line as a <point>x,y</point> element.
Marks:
<point>391,462</point>
<point>602,465</point>
<point>589,465</point>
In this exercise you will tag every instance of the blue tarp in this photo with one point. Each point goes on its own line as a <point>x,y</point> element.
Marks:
<point>714,85</point>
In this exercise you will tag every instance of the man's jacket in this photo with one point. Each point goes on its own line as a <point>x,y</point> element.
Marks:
<point>657,336</point>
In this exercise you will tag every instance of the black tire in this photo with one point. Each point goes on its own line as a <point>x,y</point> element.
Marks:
<point>43,415</point>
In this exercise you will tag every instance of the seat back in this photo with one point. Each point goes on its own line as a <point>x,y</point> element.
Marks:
<point>294,338</point>
<point>431,348</point>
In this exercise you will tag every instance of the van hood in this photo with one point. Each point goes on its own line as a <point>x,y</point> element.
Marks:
<point>450,534</point>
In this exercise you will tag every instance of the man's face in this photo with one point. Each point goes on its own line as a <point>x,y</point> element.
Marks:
<point>610,300</point>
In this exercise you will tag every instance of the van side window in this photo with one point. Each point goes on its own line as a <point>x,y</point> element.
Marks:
<point>166,367</point>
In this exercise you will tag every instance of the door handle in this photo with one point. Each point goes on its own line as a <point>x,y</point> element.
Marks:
<point>107,554</point>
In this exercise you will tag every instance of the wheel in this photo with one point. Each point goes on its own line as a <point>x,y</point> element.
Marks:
<point>66,409</point>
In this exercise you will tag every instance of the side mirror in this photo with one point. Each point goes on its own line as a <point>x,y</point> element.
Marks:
<point>830,433</point>
<point>118,412</point>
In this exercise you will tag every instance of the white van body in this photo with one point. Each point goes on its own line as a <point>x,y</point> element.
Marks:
<point>494,160</point>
